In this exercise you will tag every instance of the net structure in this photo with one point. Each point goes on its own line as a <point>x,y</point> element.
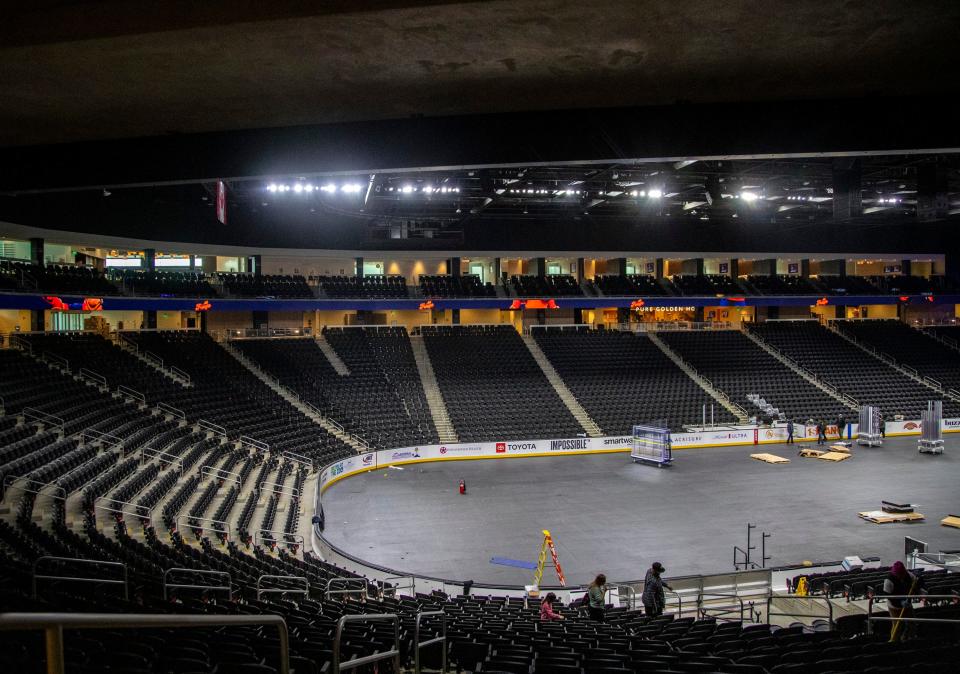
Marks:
<point>651,444</point>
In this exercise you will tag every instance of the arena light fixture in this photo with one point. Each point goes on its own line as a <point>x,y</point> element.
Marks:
<point>655,193</point>
<point>329,187</point>
<point>407,189</point>
<point>298,188</point>
<point>748,196</point>
<point>272,187</point>
<point>308,187</point>
<point>350,188</point>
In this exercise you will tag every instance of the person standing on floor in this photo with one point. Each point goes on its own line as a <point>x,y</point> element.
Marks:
<point>789,431</point>
<point>596,606</point>
<point>821,432</point>
<point>841,426</point>
<point>653,597</point>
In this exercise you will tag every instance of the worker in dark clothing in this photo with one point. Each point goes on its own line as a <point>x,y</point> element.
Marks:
<point>902,583</point>
<point>789,431</point>
<point>841,426</point>
<point>821,432</point>
<point>883,425</point>
<point>653,597</point>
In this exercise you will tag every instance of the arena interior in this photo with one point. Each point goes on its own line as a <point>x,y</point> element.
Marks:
<point>282,283</point>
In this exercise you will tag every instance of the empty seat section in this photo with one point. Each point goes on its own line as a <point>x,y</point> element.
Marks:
<point>444,285</point>
<point>622,379</point>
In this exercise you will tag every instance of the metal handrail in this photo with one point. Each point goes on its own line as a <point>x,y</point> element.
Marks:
<point>412,584</point>
<point>73,579</point>
<point>200,572</point>
<point>220,474</point>
<point>429,642</point>
<point>131,393</point>
<point>346,582</point>
<point>392,654</point>
<point>723,610</point>
<point>54,623</point>
<point>38,416</point>
<point>170,409</point>
<point>258,538</point>
<point>180,373</point>
<point>84,373</point>
<point>871,618</point>
<point>253,442</point>
<point>106,439</point>
<point>57,360</point>
<point>217,530</point>
<point>148,514</point>
<point>212,427</point>
<point>9,482</point>
<point>305,591</point>
<point>280,489</point>
<point>162,455</point>
<point>298,458</point>
<point>151,356</point>
<point>771,597</point>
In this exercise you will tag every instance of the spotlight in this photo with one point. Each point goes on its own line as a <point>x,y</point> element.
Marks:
<point>329,187</point>
<point>748,196</point>
<point>407,189</point>
<point>351,188</point>
<point>298,188</point>
<point>308,187</point>
<point>655,193</point>
<point>272,187</point>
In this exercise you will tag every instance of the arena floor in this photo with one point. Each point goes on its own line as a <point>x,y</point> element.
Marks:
<point>610,515</point>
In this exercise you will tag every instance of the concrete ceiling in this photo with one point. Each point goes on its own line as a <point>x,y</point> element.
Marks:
<point>72,71</point>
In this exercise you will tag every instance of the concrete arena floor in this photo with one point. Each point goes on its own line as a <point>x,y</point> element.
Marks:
<point>611,515</point>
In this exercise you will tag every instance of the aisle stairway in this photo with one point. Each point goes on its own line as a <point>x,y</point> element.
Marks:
<point>438,408</point>
<point>335,361</point>
<point>576,409</point>
<point>312,412</point>
<point>703,383</point>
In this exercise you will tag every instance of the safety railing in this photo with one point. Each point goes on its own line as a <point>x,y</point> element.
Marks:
<point>148,453</point>
<point>392,654</point>
<point>872,618</point>
<point>224,527</point>
<point>171,410</point>
<point>18,342</point>
<point>220,474</point>
<point>54,359</point>
<point>409,583</point>
<point>32,487</point>
<point>216,429</point>
<point>204,573</point>
<point>771,598</point>
<point>123,340</point>
<point>720,611</point>
<point>53,625</point>
<point>183,375</point>
<point>31,414</point>
<point>153,358</point>
<point>92,376</point>
<point>442,639</point>
<point>305,590</point>
<point>123,508</point>
<point>930,381</point>
<point>133,394</point>
<point>277,488</point>
<point>298,459</point>
<point>247,441</point>
<point>359,587</point>
<point>260,539</point>
<point>76,579</point>
<point>107,440</point>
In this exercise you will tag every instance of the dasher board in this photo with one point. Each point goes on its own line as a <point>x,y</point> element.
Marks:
<point>951,521</point>
<point>880,517</point>
<point>834,456</point>
<point>769,458</point>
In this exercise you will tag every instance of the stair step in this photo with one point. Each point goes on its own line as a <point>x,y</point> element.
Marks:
<point>566,396</point>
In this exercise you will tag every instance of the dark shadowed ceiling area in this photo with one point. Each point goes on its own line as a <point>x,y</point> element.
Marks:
<point>72,71</point>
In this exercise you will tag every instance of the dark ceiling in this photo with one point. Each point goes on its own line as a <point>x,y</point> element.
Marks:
<point>72,71</point>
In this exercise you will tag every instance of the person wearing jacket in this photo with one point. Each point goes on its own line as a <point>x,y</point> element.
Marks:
<point>595,596</point>
<point>901,582</point>
<point>653,597</point>
<point>547,613</point>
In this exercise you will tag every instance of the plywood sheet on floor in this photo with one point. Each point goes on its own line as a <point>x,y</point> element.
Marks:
<point>834,456</point>
<point>951,521</point>
<point>769,458</point>
<point>880,517</point>
<point>811,453</point>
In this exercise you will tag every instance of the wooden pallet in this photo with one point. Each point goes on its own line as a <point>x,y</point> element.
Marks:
<point>951,521</point>
<point>880,517</point>
<point>811,452</point>
<point>834,456</point>
<point>769,458</point>
<point>838,447</point>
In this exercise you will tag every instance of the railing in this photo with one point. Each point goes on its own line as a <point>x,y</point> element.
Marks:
<point>54,359</point>
<point>171,459</point>
<point>225,529</point>
<point>930,381</point>
<point>305,590</point>
<point>216,429</point>
<point>246,440</point>
<point>53,625</point>
<point>278,488</point>
<point>266,332</point>
<point>167,585</point>
<point>220,474</point>
<point>123,340</point>
<point>33,487</point>
<point>792,614</point>
<point>107,440</point>
<point>32,414</point>
<point>392,654</point>
<point>180,373</point>
<point>140,511</point>
<point>171,410</point>
<point>288,537</point>
<point>90,375</point>
<point>442,639</point>
<point>128,392</point>
<point>346,583</point>
<point>298,458</point>
<point>74,579</point>
<point>153,358</point>
<point>18,342</point>
<point>628,590</point>
<point>721,611</point>
<point>409,584</point>
<point>871,618</point>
